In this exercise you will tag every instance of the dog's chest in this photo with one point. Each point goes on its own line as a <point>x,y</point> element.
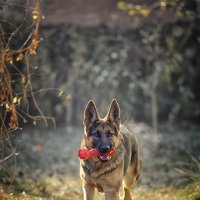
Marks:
<point>99,182</point>
<point>108,180</point>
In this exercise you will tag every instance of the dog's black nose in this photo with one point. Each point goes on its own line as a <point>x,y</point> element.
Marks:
<point>104,148</point>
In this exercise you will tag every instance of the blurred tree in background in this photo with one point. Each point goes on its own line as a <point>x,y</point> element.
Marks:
<point>19,39</point>
<point>171,48</point>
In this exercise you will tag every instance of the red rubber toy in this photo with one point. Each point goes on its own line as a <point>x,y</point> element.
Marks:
<point>84,153</point>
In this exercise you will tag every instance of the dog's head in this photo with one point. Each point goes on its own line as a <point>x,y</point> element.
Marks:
<point>102,134</point>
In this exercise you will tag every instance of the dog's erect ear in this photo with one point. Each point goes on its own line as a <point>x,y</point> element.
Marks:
<point>114,114</point>
<point>90,114</point>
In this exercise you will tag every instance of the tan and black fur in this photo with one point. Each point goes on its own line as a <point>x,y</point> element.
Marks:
<point>105,173</point>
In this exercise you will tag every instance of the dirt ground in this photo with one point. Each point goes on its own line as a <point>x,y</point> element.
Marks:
<point>47,166</point>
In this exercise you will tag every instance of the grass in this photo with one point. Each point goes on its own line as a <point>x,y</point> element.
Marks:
<point>189,192</point>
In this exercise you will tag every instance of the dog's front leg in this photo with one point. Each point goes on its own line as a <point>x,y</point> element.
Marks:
<point>112,195</point>
<point>88,191</point>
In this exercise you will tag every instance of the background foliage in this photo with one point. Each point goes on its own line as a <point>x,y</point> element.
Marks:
<point>153,69</point>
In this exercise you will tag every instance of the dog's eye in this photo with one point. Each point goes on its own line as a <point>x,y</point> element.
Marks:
<point>110,134</point>
<point>97,134</point>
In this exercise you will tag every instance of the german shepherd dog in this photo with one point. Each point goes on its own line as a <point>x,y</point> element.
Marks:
<point>107,173</point>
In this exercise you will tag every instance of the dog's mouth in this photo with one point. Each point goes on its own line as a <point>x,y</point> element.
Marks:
<point>104,158</point>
